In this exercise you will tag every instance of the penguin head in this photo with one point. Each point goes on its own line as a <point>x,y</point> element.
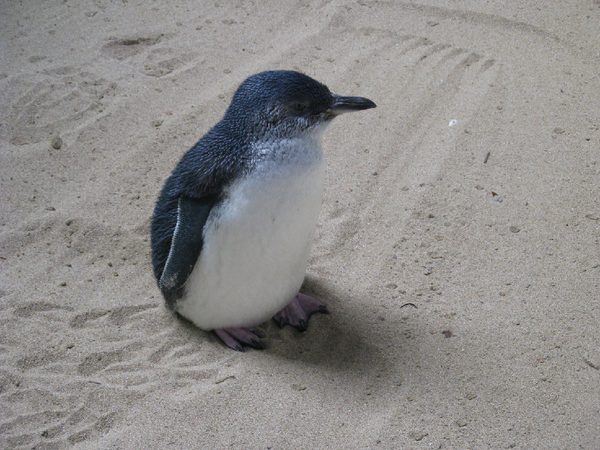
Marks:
<point>285,104</point>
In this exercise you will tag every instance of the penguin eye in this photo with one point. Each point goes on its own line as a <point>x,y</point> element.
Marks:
<point>299,106</point>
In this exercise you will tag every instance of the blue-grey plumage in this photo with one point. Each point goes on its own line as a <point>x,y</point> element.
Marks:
<point>233,224</point>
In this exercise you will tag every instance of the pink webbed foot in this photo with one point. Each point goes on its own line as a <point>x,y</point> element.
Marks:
<point>298,311</point>
<point>236,338</point>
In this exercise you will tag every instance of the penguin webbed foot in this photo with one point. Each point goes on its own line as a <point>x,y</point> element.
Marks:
<point>298,312</point>
<point>236,338</point>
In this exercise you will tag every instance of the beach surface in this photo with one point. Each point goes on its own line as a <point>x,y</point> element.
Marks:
<point>458,247</point>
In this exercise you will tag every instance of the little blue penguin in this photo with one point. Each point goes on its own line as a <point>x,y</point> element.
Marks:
<point>233,224</point>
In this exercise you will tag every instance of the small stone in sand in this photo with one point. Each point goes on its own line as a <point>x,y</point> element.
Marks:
<point>418,435</point>
<point>56,142</point>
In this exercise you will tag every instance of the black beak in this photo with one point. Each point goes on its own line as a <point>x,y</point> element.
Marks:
<point>343,104</point>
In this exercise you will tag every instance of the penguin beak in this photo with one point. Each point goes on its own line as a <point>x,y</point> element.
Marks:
<point>343,104</point>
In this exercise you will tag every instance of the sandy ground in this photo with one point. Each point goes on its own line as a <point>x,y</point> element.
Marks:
<point>458,244</point>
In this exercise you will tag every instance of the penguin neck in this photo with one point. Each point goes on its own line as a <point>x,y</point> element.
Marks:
<point>300,152</point>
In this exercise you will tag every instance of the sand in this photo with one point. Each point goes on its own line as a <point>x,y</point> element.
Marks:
<point>457,249</point>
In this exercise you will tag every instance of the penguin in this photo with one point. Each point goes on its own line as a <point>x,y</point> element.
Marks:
<point>233,224</point>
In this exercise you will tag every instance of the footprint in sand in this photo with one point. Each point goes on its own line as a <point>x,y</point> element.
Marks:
<point>155,61</point>
<point>64,100</point>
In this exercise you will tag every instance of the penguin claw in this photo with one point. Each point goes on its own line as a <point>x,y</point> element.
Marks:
<point>236,338</point>
<point>280,319</point>
<point>298,312</point>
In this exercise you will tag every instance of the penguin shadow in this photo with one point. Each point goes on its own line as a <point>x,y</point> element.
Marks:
<point>339,341</point>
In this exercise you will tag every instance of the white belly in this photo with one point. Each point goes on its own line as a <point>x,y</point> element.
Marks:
<point>255,249</point>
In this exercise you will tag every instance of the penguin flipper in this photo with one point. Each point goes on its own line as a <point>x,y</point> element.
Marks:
<point>186,245</point>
